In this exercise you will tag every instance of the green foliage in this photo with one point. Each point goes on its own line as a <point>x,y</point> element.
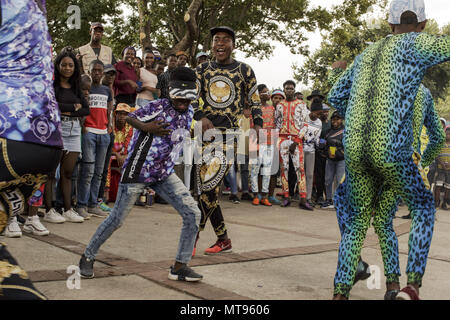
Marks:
<point>348,40</point>
<point>257,24</point>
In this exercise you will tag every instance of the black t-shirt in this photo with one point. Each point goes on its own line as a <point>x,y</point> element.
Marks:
<point>67,99</point>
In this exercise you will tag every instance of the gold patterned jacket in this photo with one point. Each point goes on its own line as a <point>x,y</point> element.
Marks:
<point>225,90</point>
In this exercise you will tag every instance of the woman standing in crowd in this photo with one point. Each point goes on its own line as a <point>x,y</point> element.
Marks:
<point>73,106</point>
<point>147,76</point>
<point>125,84</point>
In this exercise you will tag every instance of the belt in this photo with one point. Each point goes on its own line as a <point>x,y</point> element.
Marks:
<point>64,118</point>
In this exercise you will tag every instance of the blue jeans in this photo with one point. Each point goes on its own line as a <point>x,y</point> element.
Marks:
<point>94,148</point>
<point>333,169</point>
<point>174,192</point>
<point>231,179</point>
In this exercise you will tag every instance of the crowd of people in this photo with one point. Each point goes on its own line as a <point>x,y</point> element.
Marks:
<point>302,152</point>
<point>121,142</point>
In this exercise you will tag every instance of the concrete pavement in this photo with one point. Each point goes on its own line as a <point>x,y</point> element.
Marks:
<point>278,253</point>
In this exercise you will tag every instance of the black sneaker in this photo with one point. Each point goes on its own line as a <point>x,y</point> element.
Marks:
<point>86,267</point>
<point>246,196</point>
<point>362,271</point>
<point>184,274</point>
<point>234,198</point>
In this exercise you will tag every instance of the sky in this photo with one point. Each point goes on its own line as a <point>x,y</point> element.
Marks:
<point>278,68</point>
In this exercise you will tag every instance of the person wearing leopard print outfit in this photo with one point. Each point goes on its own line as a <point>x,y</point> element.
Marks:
<point>376,94</point>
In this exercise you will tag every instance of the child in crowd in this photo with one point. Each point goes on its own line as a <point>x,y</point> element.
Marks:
<point>335,167</point>
<point>265,147</point>
<point>160,128</point>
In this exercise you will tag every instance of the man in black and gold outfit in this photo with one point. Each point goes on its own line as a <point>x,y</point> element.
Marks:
<point>225,86</point>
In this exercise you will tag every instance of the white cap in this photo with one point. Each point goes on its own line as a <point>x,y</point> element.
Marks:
<point>399,6</point>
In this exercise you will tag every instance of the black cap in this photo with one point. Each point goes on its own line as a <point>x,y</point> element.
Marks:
<point>97,25</point>
<point>223,29</point>
<point>336,114</point>
<point>315,93</point>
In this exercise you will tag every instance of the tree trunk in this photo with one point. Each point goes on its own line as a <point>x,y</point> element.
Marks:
<point>191,34</point>
<point>145,27</point>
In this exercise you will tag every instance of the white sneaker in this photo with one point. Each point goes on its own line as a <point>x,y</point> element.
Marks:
<point>33,225</point>
<point>53,217</point>
<point>72,216</point>
<point>12,230</point>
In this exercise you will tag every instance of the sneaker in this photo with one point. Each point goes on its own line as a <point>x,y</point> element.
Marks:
<point>86,267</point>
<point>265,202</point>
<point>20,220</point>
<point>53,217</point>
<point>97,212</point>
<point>391,294</point>
<point>255,201</point>
<point>407,293</point>
<point>362,271</point>
<point>104,207</point>
<point>73,216</point>
<point>286,202</point>
<point>327,205</point>
<point>221,246</point>
<point>246,196</point>
<point>234,198</point>
<point>274,200</point>
<point>226,191</point>
<point>184,274</point>
<point>83,213</point>
<point>305,206</point>
<point>12,229</point>
<point>34,226</point>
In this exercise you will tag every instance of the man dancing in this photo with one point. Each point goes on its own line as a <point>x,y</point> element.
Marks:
<point>376,95</point>
<point>30,130</point>
<point>226,86</point>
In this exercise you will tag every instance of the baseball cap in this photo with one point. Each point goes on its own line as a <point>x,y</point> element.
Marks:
<point>123,107</point>
<point>109,68</point>
<point>336,114</point>
<point>279,92</point>
<point>223,29</point>
<point>201,54</point>
<point>326,107</point>
<point>97,25</point>
<point>182,53</point>
<point>398,7</point>
<point>182,84</point>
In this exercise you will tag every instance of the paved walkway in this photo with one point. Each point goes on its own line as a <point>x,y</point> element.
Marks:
<point>278,253</point>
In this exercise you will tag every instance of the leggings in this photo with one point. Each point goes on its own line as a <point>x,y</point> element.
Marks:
<point>23,169</point>
<point>358,197</point>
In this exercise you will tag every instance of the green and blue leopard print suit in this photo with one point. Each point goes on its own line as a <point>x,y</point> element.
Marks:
<point>376,96</point>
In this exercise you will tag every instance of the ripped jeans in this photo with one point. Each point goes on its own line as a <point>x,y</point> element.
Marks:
<point>174,192</point>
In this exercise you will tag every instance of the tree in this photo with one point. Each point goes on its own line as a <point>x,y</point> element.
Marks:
<point>347,41</point>
<point>184,24</point>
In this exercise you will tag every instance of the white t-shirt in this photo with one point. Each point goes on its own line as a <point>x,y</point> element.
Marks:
<point>148,79</point>
<point>312,135</point>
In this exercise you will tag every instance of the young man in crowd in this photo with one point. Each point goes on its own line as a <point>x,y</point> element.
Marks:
<point>202,57</point>
<point>182,59</point>
<point>155,146</point>
<point>226,86</point>
<point>378,139</point>
<point>164,78</point>
<point>125,83</point>
<point>95,50</point>
<point>95,142</point>
<point>291,118</point>
<point>310,143</point>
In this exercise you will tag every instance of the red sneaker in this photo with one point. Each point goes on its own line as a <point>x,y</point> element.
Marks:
<point>266,202</point>
<point>221,246</point>
<point>407,293</point>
